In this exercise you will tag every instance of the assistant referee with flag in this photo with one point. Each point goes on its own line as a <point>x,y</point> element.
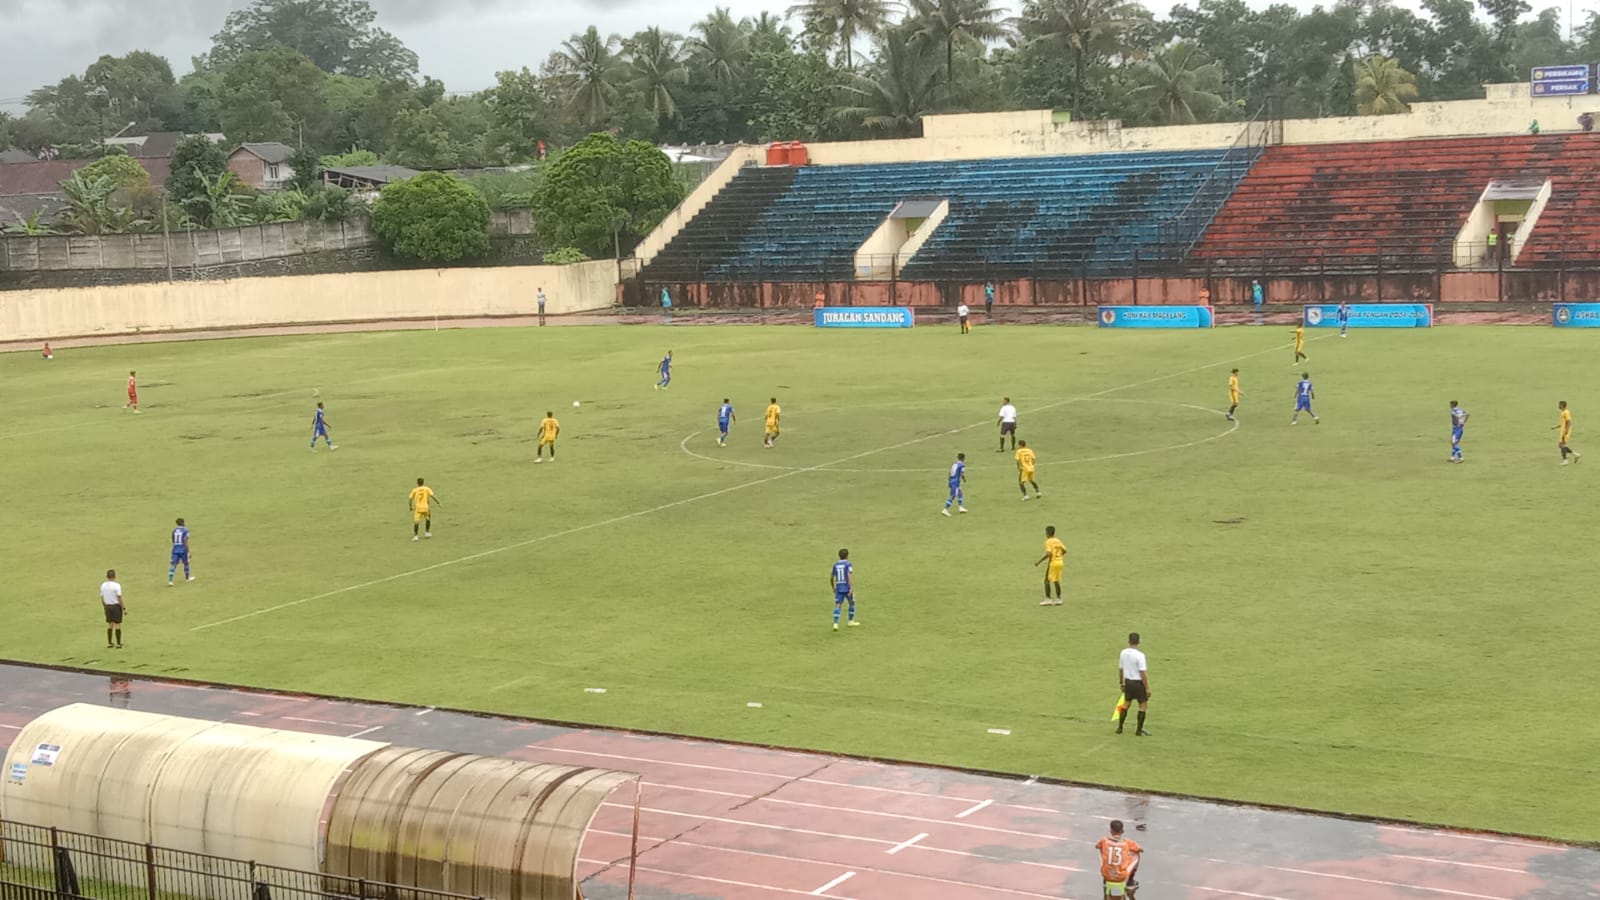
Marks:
<point>1133,677</point>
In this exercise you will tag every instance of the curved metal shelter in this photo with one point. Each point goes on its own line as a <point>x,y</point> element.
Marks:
<point>458,822</point>
<point>468,824</point>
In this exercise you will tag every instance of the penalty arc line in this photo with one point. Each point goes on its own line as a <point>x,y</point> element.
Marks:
<point>708,495</point>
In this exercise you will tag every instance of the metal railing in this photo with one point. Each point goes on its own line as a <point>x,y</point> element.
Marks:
<point>70,864</point>
<point>1185,229</point>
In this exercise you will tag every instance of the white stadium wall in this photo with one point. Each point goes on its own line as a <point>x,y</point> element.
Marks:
<point>29,315</point>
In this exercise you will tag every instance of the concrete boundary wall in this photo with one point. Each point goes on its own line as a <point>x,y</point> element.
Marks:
<point>310,299</point>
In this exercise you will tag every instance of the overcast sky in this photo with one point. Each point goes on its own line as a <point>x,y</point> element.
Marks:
<point>462,42</point>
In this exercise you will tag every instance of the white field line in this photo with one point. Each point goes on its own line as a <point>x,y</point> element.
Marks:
<point>975,808</point>
<point>834,883</point>
<point>708,495</point>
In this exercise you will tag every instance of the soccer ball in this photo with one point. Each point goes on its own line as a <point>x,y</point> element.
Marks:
<point>316,392</point>
<point>574,404</point>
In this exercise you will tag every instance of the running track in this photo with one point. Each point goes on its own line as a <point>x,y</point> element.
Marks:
<point>725,822</point>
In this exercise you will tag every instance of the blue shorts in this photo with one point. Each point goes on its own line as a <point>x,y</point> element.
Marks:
<point>841,594</point>
<point>1302,403</point>
<point>955,489</point>
<point>179,554</point>
<point>320,431</point>
<point>1456,434</point>
<point>722,425</point>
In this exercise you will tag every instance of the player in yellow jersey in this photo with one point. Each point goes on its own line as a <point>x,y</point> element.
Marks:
<point>1056,553</point>
<point>1233,394</point>
<point>1565,427</point>
<point>1299,344</point>
<point>773,412</point>
<point>548,429</point>
<point>421,497</point>
<point>1025,465</point>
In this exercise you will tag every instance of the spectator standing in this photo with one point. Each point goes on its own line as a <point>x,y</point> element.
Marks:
<point>988,300</point>
<point>540,298</point>
<point>111,601</point>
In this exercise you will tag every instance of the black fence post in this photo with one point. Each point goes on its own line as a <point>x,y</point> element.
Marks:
<point>1499,277</point>
<point>1136,278</point>
<point>150,870</point>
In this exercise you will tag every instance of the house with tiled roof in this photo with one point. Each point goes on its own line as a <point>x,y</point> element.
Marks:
<point>263,166</point>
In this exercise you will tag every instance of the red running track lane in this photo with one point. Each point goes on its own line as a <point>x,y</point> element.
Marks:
<point>726,822</point>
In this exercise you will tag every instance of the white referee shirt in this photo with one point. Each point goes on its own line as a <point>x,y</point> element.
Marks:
<point>111,593</point>
<point>1008,413</point>
<point>1133,665</point>
<point>962,311</point>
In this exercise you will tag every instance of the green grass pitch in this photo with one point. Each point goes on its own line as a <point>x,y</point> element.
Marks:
<point>1336,617</point>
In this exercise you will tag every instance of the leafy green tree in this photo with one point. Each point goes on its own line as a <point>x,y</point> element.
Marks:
<point>520,115</point>
<point>1177,86</point>
<point>840,23</point>
<point>339,36</point>
<point>137,88</point>
<point>346,98</point>
<point>273,95</point>
<point>199,102</point>
<point>565,256</point>
<point>125,172</point>
<point>591,74</point>
<point>307,166</point>
<point>944,23</point>
<point>433,218</point>
<point>656,69</point>
<point>794,95</point>
<point>1087,31</point>
<point>92,207</point>
<point>907,83</point>
<point>604,195</point>
<point>196,164</point>
<point>350,158</point>
<point>332,205</point>
<point>1382,87</point>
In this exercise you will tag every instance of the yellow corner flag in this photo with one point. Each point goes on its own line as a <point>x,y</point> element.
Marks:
<point>1122,704</point>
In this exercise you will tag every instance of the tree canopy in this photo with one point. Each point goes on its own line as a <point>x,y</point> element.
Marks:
<point>432,218</point>
<point>604,193</point>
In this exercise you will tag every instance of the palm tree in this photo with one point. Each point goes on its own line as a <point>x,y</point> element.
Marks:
<point>842,21</point>
<point>944,22</point>
<point>591,71</point>
<point>1085,29</point>
<point>722,45</point>
<point>907,86</point>
<point>767,32</point>
<point>657,69</point>
<point>1179,85</point>
<point>1382,87</point>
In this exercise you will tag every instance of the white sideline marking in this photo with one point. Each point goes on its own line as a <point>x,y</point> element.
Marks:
<point>423,712</point>
<point>1452,862</point>
<point>905,843</point>
<point>1000,731</point>
<point>972,809</point>
<point>366,731</point>
<point>693,877</point>
<point>834,883</point>
<point>528,542</point>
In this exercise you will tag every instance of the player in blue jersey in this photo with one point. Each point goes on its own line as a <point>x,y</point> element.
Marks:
<point>958,477</point>
<point>1304,393</point>
<point>319,429</point>
<point>725,418</point>
<point>1458,430</point>
<point>1344,319</point>
<point>180,553</point>
<point>843,579</point>
<point>665,371</point>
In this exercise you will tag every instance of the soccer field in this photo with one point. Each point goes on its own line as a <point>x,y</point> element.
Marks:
<point>1336,618</point>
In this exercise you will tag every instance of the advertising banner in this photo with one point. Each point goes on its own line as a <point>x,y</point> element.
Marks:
<point>1575,315</point>
<point>862,317</point>
<point>1156,317</point>
<point>1371,315</point>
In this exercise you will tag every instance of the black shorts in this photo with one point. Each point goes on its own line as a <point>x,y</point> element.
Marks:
<point>113,613</point>
<point>1135,692</point>
<point>1008,428</point>
<point>963,320</point>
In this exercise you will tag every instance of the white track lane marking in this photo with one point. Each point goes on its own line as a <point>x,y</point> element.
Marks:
<point>834,883</point>
<point>708,495</point>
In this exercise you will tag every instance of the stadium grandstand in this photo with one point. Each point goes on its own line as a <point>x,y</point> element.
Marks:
<point>1453,200</point>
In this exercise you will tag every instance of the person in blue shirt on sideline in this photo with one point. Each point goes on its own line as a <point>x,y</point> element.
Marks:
<point>180,553</point>
<point>1344,319</point>
<point>1458,430</point>
<point>319,429</point>
<point>844,588</point>
<point>725,418</point>
<point>666,303</point>
<point>958,477</point>
<point>664,368</point>
<point>1304,393</point>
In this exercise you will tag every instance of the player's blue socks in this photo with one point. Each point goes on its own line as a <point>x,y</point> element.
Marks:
<point>836,607</point>
<point>172,572</point>
<point>852,609</point>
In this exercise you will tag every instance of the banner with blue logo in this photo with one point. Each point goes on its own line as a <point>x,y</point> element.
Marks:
<point>1575,315</point>
<point>1371,315</point>
<point>862,317</point>
<point>1156,317</point>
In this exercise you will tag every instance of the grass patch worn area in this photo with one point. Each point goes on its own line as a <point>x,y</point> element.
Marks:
<point>1336,617</point>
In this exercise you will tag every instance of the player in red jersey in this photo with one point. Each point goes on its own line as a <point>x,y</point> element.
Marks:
<point>133,393</point>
